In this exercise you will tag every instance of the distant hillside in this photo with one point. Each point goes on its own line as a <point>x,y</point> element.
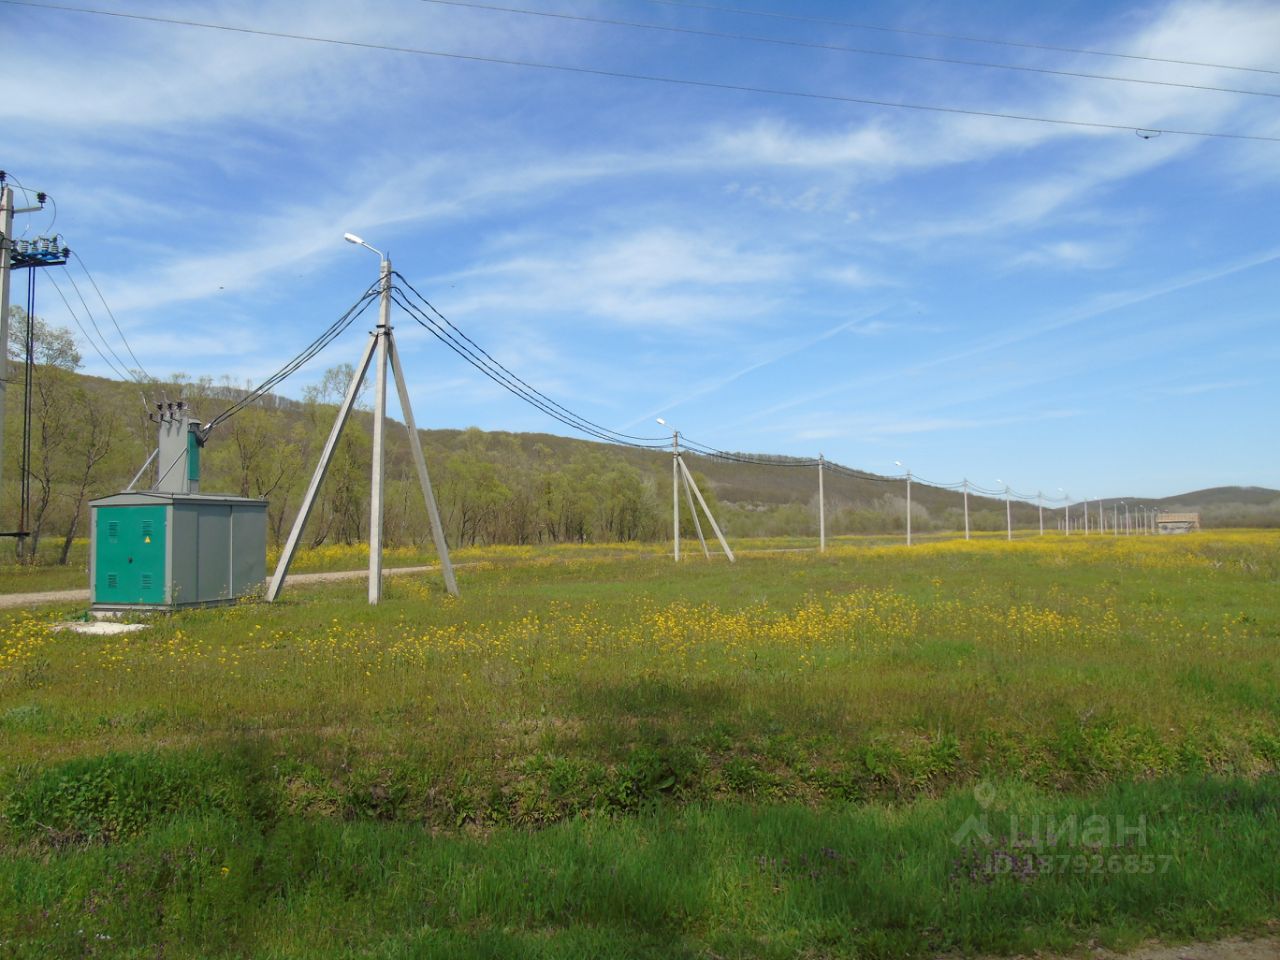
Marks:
<point>492,486</point>
<point>1218,496</point>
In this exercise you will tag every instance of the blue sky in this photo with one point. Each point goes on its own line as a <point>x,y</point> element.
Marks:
<point>1056,306</point>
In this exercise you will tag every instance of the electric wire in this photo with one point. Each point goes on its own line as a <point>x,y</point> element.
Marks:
<point>1025,45</point>
<point>838,48</point>
<point>89,313</point>
<point>123,338</point>
<point>508,381</point>
<point>85,333</point>
<point>655,441</point>
<point>331,333</point>
<point>655,78</point>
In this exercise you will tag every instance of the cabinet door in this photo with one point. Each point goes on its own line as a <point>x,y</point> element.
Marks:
<point>129,566</point>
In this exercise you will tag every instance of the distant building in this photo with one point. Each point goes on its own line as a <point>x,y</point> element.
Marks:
<point>1177,522</point>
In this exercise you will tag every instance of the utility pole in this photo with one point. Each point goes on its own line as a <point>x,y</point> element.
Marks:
<point>1008,514</point>
<point>6,238</point>
<point>898,463</point>
<point>382,344</point>
<point>675,490</point>
<point>379,429</point>
<point>966,508</point>
<point>43,252</point>
<point>1040,504</point>
<point>680,474</point>
<point>822,511</point>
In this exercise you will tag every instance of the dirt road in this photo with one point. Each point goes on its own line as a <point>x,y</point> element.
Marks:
<point>11,600</point>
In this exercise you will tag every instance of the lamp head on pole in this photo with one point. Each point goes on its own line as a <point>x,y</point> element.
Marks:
<point>352,238</point>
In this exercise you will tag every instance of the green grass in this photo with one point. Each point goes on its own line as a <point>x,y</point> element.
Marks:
<point>720,880</point>
<point>383,776</point>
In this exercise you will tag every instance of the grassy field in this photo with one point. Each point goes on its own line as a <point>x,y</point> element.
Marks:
<point>875,752</point>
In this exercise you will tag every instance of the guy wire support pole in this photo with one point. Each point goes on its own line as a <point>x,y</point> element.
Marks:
<point>697,524</point>
<point>715,527</point>
<point>822,509</point>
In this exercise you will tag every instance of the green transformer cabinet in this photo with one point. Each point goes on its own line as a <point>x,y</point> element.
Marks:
<point>160,550</point>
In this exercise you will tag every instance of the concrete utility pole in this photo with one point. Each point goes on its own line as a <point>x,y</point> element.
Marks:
<point>1040,504</point>
<point>822,511</point>
<point>379,428</point>
<point>7,212</point>
<point>382,343</point>
<point>898,463</point>
<point>680,475</point>
<point>1008,511</point>
<point>6,239</point>
<point>675,490</point>
<point>966,508</point>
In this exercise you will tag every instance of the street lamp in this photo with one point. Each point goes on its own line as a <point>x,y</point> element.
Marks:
<point>898,463</point>
<point>352,238</point>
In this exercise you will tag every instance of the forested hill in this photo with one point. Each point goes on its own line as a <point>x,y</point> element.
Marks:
<point>90,435</point>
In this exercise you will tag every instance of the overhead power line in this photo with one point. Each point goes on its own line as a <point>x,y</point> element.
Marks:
<point>115,323</point>
<point>97,329</point>
<point>123,375</point>
<point>538,393</point>
<point>482,361</point>
<point>331,333</point>
<point>838,48</point>
<point>1025,45</point>
<point>655,78</point>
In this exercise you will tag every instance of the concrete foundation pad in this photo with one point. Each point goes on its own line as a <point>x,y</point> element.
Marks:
<point>100,628</point>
